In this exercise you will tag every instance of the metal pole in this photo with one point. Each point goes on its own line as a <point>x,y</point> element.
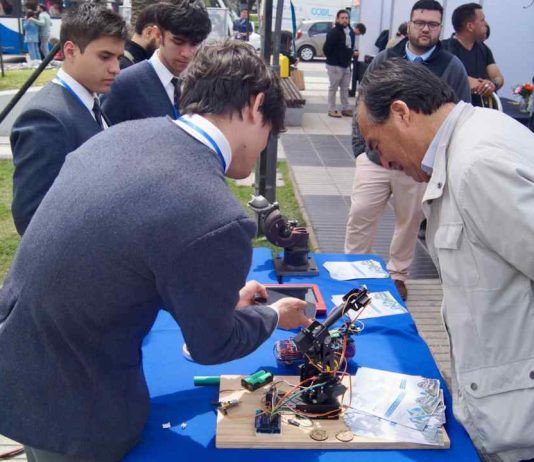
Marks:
<point>247,24</point>
<point>29,82</point>
<point>445,11</point>
<point>266,50</point>
<point>392,19</point>
<point>265,183</point>
<point>2,56</point>
<point>277,34</point>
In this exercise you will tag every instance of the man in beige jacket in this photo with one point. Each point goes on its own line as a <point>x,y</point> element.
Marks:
<point>479,166</point>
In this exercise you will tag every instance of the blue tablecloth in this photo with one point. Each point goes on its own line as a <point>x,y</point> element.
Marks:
<point>390,343</point>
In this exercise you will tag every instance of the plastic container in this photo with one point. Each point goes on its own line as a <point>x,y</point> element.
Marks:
<point>284,66</point>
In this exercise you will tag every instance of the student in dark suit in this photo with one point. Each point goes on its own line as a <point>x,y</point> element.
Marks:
<point>140,217</point>
<point>66,112</point>
<point>145,40</point>
<point>151,88</point>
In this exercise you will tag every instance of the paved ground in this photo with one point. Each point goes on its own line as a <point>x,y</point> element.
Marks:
<point>322,167</point>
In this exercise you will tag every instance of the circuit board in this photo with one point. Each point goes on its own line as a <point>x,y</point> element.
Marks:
<point>237,429</point>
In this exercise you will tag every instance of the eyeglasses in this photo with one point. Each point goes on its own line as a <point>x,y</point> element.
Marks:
<point>422,24</point>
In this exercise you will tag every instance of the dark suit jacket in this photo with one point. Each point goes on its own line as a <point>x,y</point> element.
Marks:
<point>53,124</point>
<point>137,93</point>
<point>335,48</point>
<point>139,217</point>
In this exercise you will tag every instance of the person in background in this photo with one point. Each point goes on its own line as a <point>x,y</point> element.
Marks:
<point>66,112</point>
<point>140,217</point>
<point>468,45</point>
<point>382,40</point>
<point>479,168</point>
<point>242,25</point>
<point>31,37</point>
<point>359,30</point>
<point>145,40</point>
<point>286,46</point>
<point>374,184</point>
<point>152,88</point>
<point>44,22</point>
<point>339,50</point>
<point>56,9</point>
<point>401,34</point>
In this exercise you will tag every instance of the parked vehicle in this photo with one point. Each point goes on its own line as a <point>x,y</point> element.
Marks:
<point>310,39</point>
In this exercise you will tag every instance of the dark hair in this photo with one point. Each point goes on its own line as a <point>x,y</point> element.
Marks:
<point>340,12</point>
<point>223,76</point>
<point>90,21</point>
<point>147,17</point>
<point>464,14</point>
<point>361,27</point>
<point>43,7</point>
<point>30,13</point>
<point>403,29</point>
<point>399,79</point>
<point>185,18</point>
<point>432,5</point>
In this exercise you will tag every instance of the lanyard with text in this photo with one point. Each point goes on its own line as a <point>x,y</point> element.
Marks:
<point>67,87</point>
<point>210,140</point>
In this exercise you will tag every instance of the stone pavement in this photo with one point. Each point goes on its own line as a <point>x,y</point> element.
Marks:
<point>322,165</point>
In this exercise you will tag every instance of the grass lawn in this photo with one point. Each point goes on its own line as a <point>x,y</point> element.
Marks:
<point>9,238</point>
<point>15,78</point>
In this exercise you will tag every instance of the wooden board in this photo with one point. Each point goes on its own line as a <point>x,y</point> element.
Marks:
<point>236,429</point>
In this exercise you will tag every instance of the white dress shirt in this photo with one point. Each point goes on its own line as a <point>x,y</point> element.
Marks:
<point>164,75</point>
<point>86,97</point>
<point>195,125</point>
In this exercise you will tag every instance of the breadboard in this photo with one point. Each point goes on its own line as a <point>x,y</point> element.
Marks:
<point>236,429</point>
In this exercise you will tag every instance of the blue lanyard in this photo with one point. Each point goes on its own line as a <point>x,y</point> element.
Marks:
<point>67,87</point>
<point>201,131</point>
<point>175,112</point>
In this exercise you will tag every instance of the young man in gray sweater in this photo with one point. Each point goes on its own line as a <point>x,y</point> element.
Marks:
<point>139,217</point>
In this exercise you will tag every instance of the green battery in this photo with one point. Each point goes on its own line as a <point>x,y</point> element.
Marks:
<point>200,380</point>
<point>257,380</point>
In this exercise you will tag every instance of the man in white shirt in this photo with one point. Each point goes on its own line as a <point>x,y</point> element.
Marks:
<point>152,88</point>
<point>66,112</point>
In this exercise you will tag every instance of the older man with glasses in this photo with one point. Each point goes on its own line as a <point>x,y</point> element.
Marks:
<point>374,184</point>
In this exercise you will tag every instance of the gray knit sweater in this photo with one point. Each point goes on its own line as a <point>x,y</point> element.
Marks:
<point>139,217</point>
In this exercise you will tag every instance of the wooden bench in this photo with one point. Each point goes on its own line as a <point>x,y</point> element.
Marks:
<point>292,95</point>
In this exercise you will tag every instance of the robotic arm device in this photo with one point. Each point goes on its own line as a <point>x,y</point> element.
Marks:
<point>286,234</point>
<point>324,354</point>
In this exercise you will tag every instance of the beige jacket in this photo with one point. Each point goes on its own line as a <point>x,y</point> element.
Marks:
<point>480,209</point>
